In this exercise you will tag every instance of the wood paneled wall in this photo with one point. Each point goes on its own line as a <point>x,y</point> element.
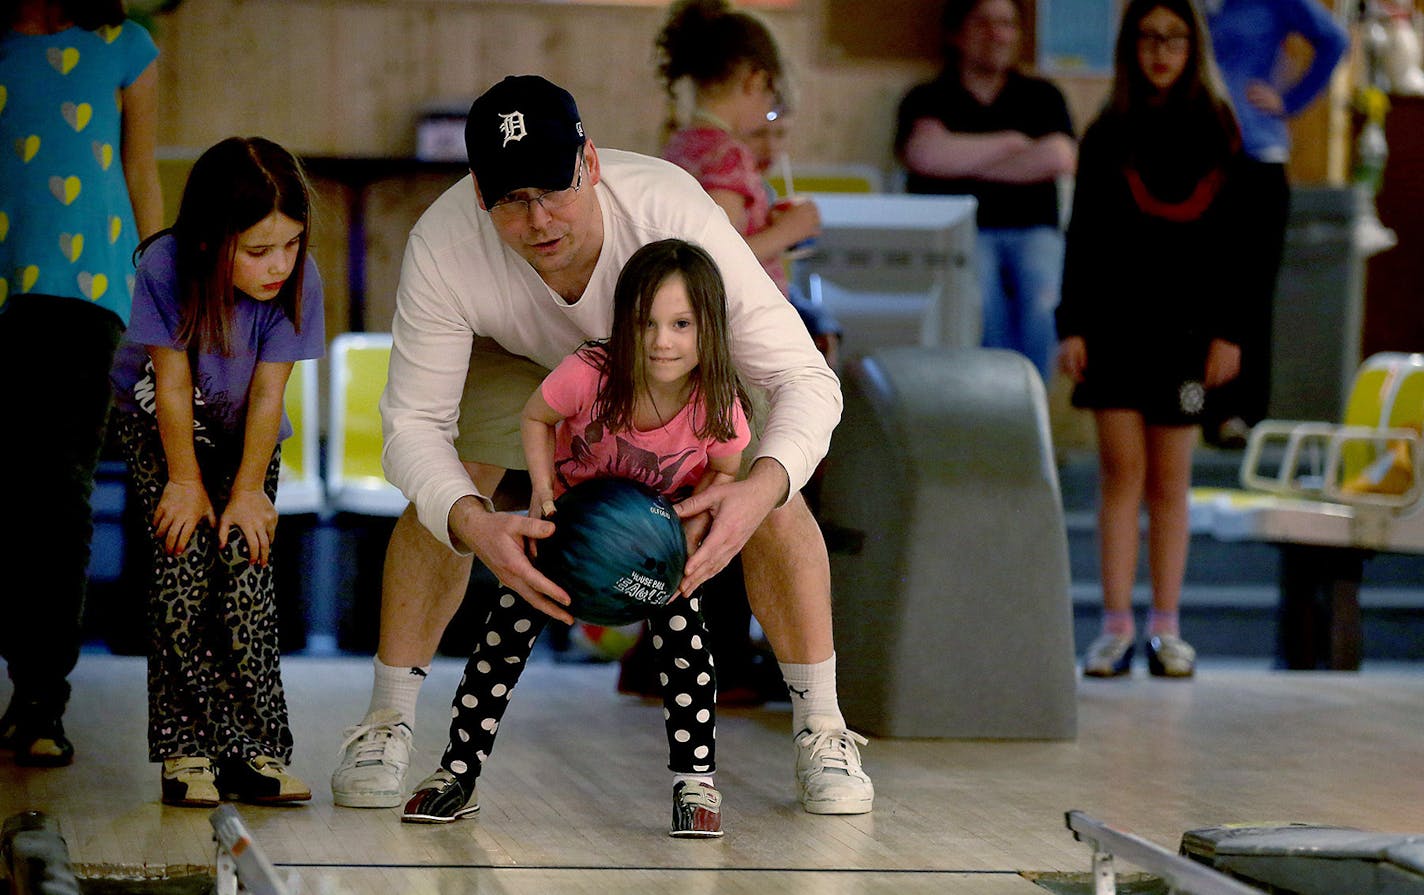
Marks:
<point>349,77</point>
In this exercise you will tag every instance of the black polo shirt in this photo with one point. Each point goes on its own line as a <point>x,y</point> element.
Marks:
<point>1029,105</point>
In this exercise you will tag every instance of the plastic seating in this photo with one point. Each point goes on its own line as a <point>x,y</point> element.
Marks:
<point>355,482</point>
<point>848,178</point>
<point>1386,406</point>
<point>299,489</point>
<point>1341,493</point>
<point>1321,492</point>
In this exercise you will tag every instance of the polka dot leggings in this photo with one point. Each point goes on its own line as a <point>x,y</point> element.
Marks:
<point>688,678</point>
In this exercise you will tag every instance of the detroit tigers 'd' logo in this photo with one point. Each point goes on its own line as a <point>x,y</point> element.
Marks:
<point>511,125</point>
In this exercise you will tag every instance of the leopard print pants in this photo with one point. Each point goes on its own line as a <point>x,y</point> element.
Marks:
<point>214,680</point>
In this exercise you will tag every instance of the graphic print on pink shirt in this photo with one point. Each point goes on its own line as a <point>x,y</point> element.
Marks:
<point>670,458</point>
<point>630,461</point>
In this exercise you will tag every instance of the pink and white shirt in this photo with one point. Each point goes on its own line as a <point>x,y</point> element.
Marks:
<point>720,161</point>
<point>670,459</point>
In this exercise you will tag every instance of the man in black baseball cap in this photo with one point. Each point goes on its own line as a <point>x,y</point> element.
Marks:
<point>523,133</point>
<point>504,276</point>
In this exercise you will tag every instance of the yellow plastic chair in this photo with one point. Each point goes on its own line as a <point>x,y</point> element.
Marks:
<point>849,178</point>
<point>1382,413</point>
<point>299,486</point>
<point>1343,492</point>
<point>355,482</point>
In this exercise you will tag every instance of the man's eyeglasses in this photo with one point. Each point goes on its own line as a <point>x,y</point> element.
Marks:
<point>549,200</point>
<point>1174,43</point>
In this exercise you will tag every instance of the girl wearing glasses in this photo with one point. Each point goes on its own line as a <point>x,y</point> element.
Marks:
<point>731,62</point>
<point>658,402</point>
<point>1147,323</point>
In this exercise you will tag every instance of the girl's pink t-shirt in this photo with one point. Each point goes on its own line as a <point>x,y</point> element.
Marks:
<point>720,161</point>
<point>670,458</point>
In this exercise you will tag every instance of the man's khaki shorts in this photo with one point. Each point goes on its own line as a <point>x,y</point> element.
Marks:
<point>496,388</point>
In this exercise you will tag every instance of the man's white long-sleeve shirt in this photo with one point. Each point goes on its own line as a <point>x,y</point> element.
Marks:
<point>459,280</point>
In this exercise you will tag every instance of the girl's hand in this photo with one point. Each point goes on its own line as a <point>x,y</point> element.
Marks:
<point>253,514</point>
<point>541,506</point>
<point>1265,97</point>
<point>1073,357</point>
<point>798,218</point>
<point>180,508</point>
<point>1223,363</point>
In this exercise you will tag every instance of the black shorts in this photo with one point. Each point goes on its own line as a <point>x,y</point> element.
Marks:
<point>1165,386</point>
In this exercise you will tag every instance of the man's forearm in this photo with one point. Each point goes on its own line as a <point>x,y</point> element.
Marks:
<point>934,151</point>
<point>1046,158</point>
<point>461,520</point>
<point>771,478</point>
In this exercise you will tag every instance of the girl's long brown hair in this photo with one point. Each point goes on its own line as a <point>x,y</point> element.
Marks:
<point>233,185</point>
<point>715,384</point>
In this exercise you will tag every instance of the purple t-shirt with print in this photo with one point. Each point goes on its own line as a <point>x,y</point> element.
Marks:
<point>260,332</point>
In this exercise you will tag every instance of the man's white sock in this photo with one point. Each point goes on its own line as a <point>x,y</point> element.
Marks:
<point>813,692</point>
<point>397,687</point>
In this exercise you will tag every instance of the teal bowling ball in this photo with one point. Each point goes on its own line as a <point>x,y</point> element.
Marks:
<point>617,549</point>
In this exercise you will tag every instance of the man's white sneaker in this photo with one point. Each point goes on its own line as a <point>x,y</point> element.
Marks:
<point>374,757</point>
<point>829,779</point>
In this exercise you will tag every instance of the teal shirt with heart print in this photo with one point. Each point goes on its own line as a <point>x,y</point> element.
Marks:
<point>66,222</point>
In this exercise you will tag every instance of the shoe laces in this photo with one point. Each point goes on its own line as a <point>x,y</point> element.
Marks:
<point>834,749</point>
<point>374,738</point>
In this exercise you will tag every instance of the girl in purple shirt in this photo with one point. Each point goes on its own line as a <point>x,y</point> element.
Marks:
<point>224,303</point>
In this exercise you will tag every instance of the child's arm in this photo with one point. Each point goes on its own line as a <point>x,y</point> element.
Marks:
<point>788,225</point>
<point>140,137</point>
<point>734,204</point>
<point>536,429</point>
<point>249,507</point>
<point>719,470</point>
<point>184,502</point>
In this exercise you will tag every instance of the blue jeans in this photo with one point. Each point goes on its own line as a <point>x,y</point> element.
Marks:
<point>1020,272</point>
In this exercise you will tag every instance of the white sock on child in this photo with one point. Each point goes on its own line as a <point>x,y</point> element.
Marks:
<point>813,692</point>
<point>688,778</point>
<point>1159,622</point>
<point>397,687</point>
<point>1119,623</point>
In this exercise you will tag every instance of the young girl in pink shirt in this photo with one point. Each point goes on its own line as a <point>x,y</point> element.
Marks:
<point>658,402</point>
<point>732,62</point>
